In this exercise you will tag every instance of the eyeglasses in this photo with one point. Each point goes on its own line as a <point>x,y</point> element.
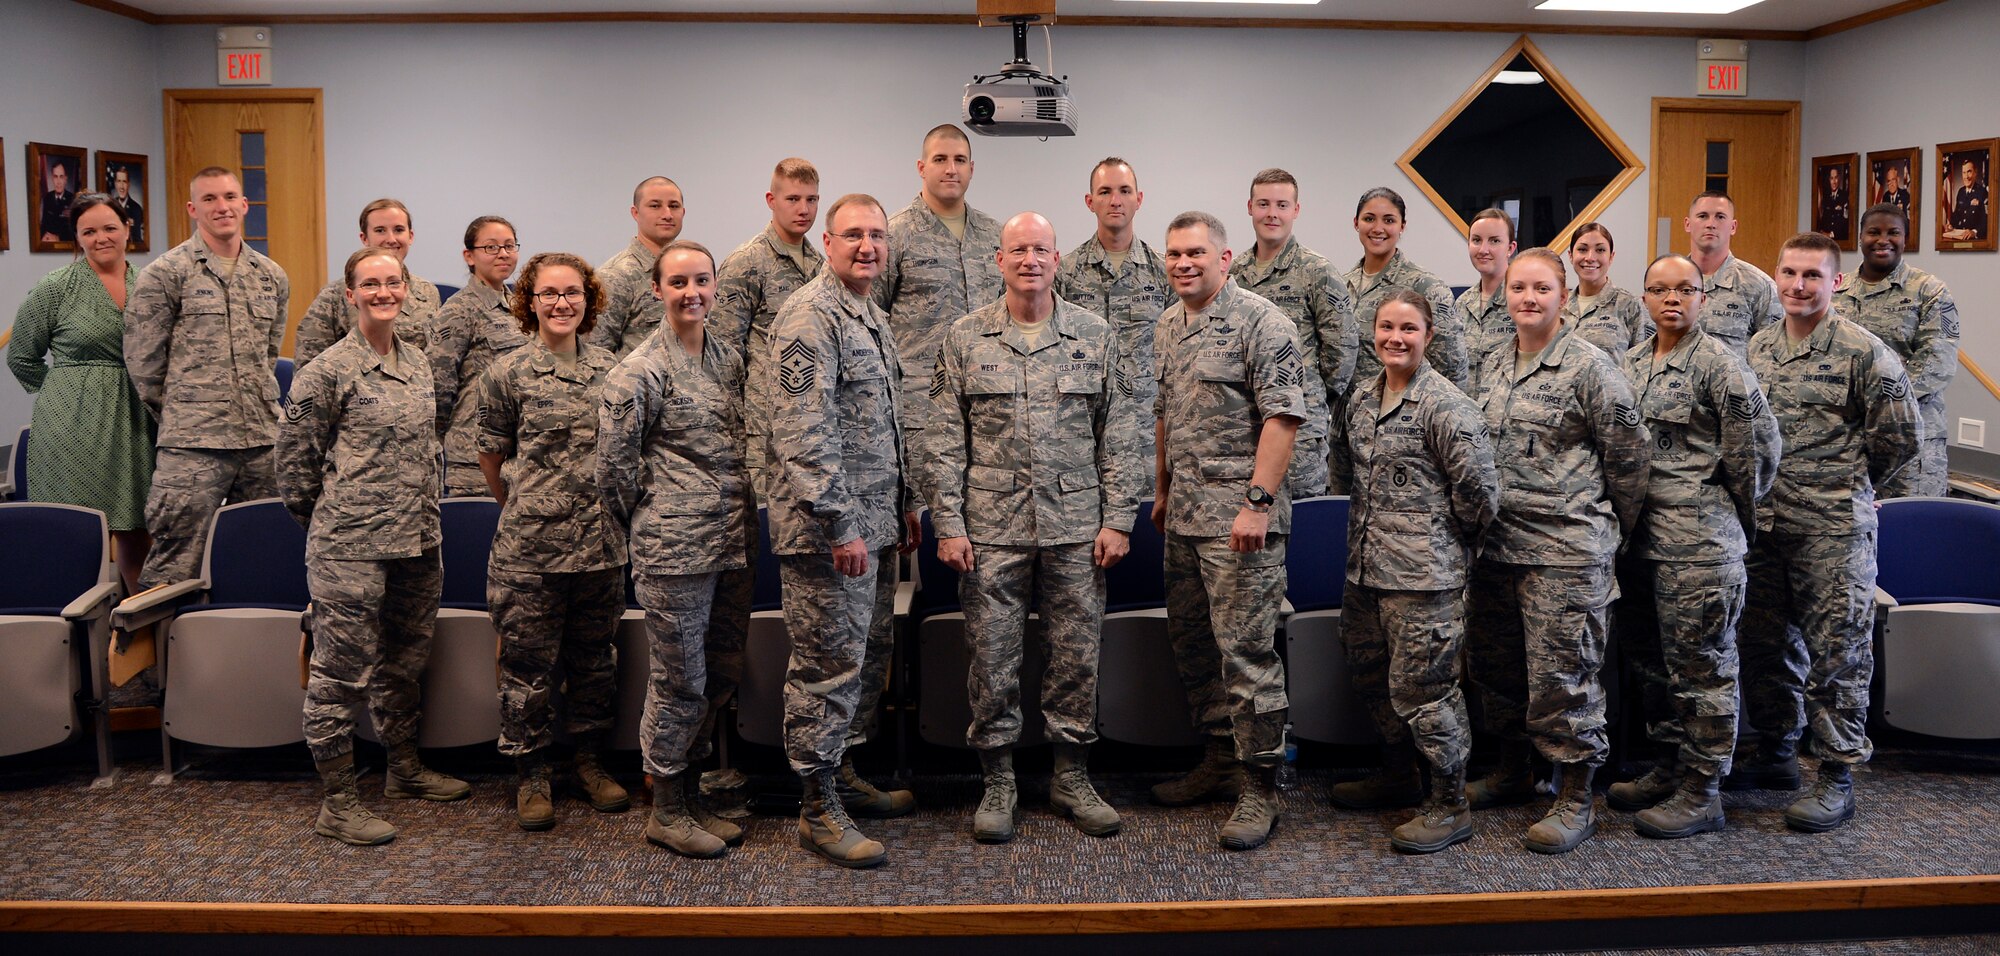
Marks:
<point>1679,291</point>
<point>551,297</point>
<point>373,286</point>
<point>855,237</point>
<point>496,248</point>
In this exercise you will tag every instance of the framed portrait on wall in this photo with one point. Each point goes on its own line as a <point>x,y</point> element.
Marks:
<point>55,173</point>
<point>1834,215</point>
<point>1896,176</point>
<point>122,176</point>
<point>1966,220</point>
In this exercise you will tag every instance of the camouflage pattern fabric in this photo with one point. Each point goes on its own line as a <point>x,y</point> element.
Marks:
<point>1913,313</point>
<point>372,623</point>
<point>930,279</point>
<point>189,484</point>
<point>1403,653</point>
<point>1807,640</point>
<point>330,317</point>
<point>1535,656</point>
<point>1131,298</point>
<point>631,312</point>
<point>1068,591</point>
<point>542,419</point>
<point>471,331</point>
<point>1616,322</point>
<point>546,619</point>
<point>1677,633</point>
<point>1741,300</point>
<point>841,645</point>
<point>750,287</point>
<point>202,348</point>
<point>1487,325</point>
<point>1222,619</point>
<point>1302,284</point>
<point>697,659</point>
<point>1448,351</point>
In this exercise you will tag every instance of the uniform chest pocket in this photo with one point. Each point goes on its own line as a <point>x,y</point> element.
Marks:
<point>681,412</point>
<point>1224,369</point>
<point>548,415</point>
<point>863,365</point>
<point>371,411</point>
<point>1822,393</point>
<point>997,381</point>
<point>1674,410</point>
<point>1081,381</point>
<point>505,336</point>
<point>1545,415</point>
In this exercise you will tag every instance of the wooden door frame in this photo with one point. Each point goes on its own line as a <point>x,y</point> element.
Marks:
<point>1789,204</point>
<point>179,228</point>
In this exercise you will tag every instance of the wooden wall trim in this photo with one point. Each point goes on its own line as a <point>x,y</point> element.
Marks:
<point>998,920</point>
<point>123,10</point>
<point>1873,16</point>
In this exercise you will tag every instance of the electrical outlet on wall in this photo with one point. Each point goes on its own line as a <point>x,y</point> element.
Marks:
<point>1972,433</point>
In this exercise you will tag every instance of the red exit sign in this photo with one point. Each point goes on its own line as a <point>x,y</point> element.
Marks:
<point>243,67</point>
<point>1722,78</point>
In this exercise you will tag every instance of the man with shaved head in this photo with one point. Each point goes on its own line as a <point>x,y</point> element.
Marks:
<point>1034,483</point>
<point>631,311</point>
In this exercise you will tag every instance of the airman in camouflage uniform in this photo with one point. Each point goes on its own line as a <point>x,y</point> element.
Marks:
<point>386,224</point>
<point>1303,284</point>
<point>1232,396</point>
<point>1913,313</point>
<point>1035,480</point>
<point>1572,460</point>
<point>472,331</point>
<point>1128,288</point>
<point>631,313</point>
<point>1487,324</point>
<point>1849,422</point>
<point>670,466</point>
<point>1615,322</point>
<point>555,581</point>
<point>202,333</point>
<point>1714,454</point>
<point>1449,349</point>
<point>840,503</point>
<point>752,286</point>
<point>937,268</point>
<point>1424,492</point>
<point>358,468</point>
<point>1740,299</point>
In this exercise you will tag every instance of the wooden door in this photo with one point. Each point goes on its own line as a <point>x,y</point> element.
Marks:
<point>1746,148</point>
<point>274,138</point>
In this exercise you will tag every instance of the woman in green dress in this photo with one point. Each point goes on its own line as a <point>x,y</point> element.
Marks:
<point>90,442</point>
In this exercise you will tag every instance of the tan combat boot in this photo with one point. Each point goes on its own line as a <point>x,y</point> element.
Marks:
<point>1256,813</point>
<point>993,822</point>
<point>727,831</point>
<point>341,815</point>
<point>1215,778</point>
<point>826,829</point>
<point>863,799</point>
<point>1647,790</point>
<point>604,793</point>
<point>408,778</point>
<point>1511,782</point>
<point>1696,807</point>
<point>1573,818</point>
<point>1446,817</point>
<point>534,805</point>
<point>1071,792</point>
<point>671,826</point>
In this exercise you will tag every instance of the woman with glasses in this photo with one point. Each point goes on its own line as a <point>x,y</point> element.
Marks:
<point>671,468</point>
<point>357,462</point>
<point>555,584</point>
<point>475,327</point>
<point>1424,492</point>
<point>90,442</point>
<point>1605,315</point>
<point>1490,244</point>
<point>1572,464</point>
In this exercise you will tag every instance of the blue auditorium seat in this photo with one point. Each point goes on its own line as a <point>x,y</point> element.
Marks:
<point>462,681</point>
<point>1324,705</point>
<point>445,292</point>
<point>283,372</point>
<point>56,593</point>
<point>760,696</point>
<point>1938,660</point>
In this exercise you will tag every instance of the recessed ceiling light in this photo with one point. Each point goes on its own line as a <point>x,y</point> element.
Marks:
<point>1518,77</point>
<point>1647,6</point>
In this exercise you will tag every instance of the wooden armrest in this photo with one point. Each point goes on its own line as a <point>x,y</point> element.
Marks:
<point>155,604</point>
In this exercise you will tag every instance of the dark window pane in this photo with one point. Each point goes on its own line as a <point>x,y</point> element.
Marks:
<point>251,145</point>
<point>254,185</point>
<point>261,245</point>
<point>1717,184</point>
<point>1718,159</point>
<point>255,222</point>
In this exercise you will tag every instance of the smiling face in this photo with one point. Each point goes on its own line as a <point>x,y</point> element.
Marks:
<point>1401,335</point>
<point>1535,296</point>
<point>1027,255</point>
<point>558,318</point>
<point>1380,227</point>
<point>493,268</point>
<point>857,240</point>
<point>1114,197</point>
<point>1196,264</point>
<point>379,289</point>
<point>1806,278</point>
<point>686,287</point>
<point>390,229</point>
<point>1591,255</point>
<point>217,206</point>
<point>1677,305</point>
<point>1489,247</point>
<point>1882,242</point>
<point>1274,211</point>
<point>101,234</point>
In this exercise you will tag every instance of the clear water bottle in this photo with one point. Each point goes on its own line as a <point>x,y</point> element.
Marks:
<point>1288,771</point>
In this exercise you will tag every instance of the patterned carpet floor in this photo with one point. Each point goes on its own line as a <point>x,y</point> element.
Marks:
<point>227,830</point>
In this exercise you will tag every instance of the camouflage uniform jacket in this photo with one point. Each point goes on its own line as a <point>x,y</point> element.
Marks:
<point>1221,375</point>
<point>631,312</point>
<point>1849,423</point>
<point>1447,352</point>
<point>1571,452</point>
<point>357,460</point>
<point>472,331</point>
<point>1741,300</point>
<point>835,442</point>
<point>670,456</point>
<point>1616,322</point>
<point>542,419</point>
<point>1032,445</point>
<point>750,288</point>
<point>1487,324</point>
<point>1302,284</point>
<point>1715,450</point>
<point>202,351</point>
<point>1424,486</point>
<point>1913,313</point>
<point>330,317</point>
<point>1131,300</point>
<point>932,277</point>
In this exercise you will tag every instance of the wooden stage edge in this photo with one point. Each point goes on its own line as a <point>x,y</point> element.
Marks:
<point>998,919</point>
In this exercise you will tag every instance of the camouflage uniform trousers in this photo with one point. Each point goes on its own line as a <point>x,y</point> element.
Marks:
<point>1307,475</point>
<point>464,481</point>
<point>1677,632</point>
<point>695,627</point>
<point>1403,652</point>
<point>841,644</point>
<point>189,484</point>
<point>545,619</point>
<point>1535,655</point>
<point>1222,621</point>
<point>1068,590</point>
<point>1807,640</point>
<point>372,624</point>
<point>1930,474</point>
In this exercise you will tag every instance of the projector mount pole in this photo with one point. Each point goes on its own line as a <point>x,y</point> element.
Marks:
<point>1020,63</point>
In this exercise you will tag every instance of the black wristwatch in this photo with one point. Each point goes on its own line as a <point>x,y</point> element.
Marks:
<point>1259,500</point>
